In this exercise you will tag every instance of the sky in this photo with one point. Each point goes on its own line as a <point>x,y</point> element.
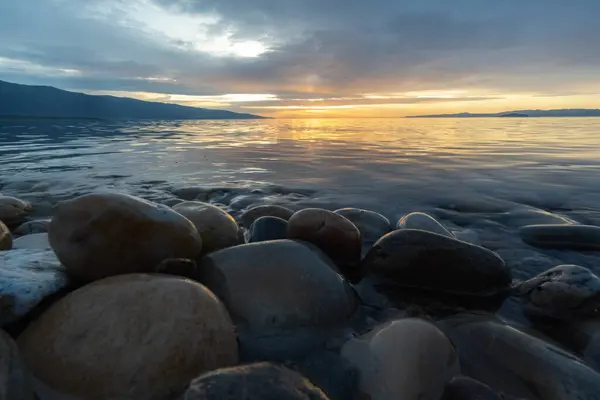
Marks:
<point>312,58</point>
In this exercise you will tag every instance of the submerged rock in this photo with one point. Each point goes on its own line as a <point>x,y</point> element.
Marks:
<point>26,278</point>
<point>371,224</point>
<point>261,381</point>
<point>408,359</point>
<point>13,210</point>
<point>334,234</point>
<point>6,239</point>
<point>30,227</point>
<point>100,235</point>
<point>255,213</point>
<point>565,292</point>
<point>516,363</point>
<point>284,296</point>
<point>569,237</point>
<point>33,241</point>
<point>530,216</point>
<point>267,228</point>
<point>14,381</point>
<point>424,222</point>
<point>134,336</point>
<point>217,228</point>
<point>419,259</point>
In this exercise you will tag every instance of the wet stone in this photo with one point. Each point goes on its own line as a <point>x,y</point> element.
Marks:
<point>27,277</point>
<point>334,234</point>
<point>254,213</point>
<point>371,224</point>
<point>217,228</point>
<point>285,297</point>
<point>260,381</point>
<point>564,292</point>
<point>465,388</point>
<point>105,234</point>
<point>14,381</point>
<point>405,359</point>
<point>267,228</point>
<point>424,222</point>
<point>13,210</point>
<point>567,237</point>
<point>420,259</point>
<point>137,336</point>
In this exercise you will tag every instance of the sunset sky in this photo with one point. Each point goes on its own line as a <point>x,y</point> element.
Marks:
<point>312,58</point>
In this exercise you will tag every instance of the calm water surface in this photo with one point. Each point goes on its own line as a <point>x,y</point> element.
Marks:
<point>473,174</point>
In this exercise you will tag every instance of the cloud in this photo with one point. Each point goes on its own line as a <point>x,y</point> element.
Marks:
<point>297,50</point>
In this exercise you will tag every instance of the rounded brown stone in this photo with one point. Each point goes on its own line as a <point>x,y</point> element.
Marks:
<point>217,228</point>
<point>405,359</point>
<point>255,213</point>
<point>105,234</point>
<point>260,381</point>
<point>12,209</point>
<point>6,239</point>
<point>137,336</point>
<point>339,238</point>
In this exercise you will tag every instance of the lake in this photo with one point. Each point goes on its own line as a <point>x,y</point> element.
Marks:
<point>482,178</point>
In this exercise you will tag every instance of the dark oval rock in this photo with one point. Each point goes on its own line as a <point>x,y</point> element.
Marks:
<point>424,222</point>
<point>564,292</point>
<point>261,381</point>
<point>371,224</point>
<point>568,237</point>
<point>278,289</point>
<point>517,363</point>
<point>255,213</point>
<point>267,228</point>
<point>6,239</point>
<point>419,259</point>
<point>30,227</point>
<point>334,234</point>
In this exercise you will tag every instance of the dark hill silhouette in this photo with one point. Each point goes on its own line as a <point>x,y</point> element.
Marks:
<point>49,102</point>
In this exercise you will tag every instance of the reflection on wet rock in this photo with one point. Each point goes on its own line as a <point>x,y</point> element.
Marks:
<point>419,259</point>
<point>14,381</point>
<point>424,222</point>
<point>261,381</point>
<point>406,359</point>
<point>100,235</point>
<point>13,210</point>
<point>132,336</point>
<point>516,363</point>
<point>217,228</point>
<point>6,239</point>
<point>249,216</point>
<point>26,278</point>
<point>282,295</point>
<point>564,292</point>
<point>371,224</point>
<point>33,241</point>
<point>267,228</point>
<point>30,227</point>
<point>569,237</point>
<point>334,234</point>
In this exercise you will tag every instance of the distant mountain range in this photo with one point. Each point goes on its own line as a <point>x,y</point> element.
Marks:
<point>569,112</point>
<point>49,102</point>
